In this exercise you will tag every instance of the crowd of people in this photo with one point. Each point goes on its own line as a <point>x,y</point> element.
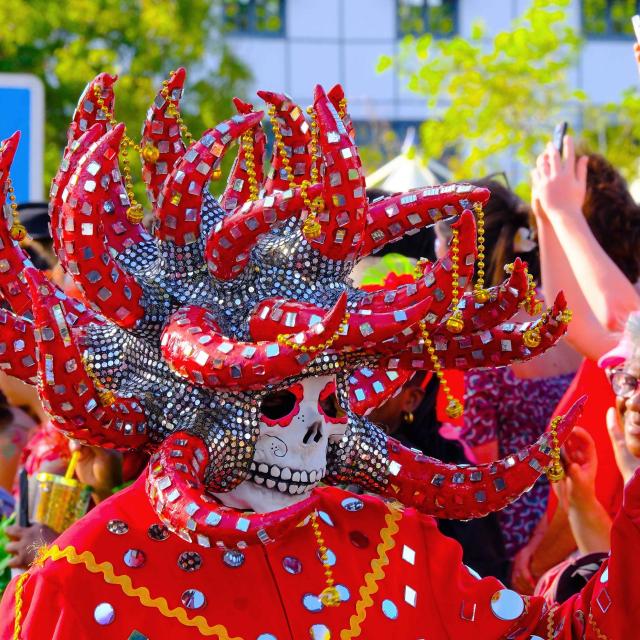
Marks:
<point>580,234</point>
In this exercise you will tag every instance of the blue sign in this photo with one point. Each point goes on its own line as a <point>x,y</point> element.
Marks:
<point>22,109</point>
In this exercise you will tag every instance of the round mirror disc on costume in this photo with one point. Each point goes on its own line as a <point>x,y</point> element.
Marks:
<point>507,604</point>
<point>320,632</point>
<point>158,532</point>
<point>352,504</point>
<point>311,602</point>
<point>291,565</point>
<point>233,558</point>
<point>134,558</point>
<point>193,599</point>
<point>266,636</point>
<point>118,527</point>
<point>104,614</point>
<point>389,609</point>
<point>189,561</point>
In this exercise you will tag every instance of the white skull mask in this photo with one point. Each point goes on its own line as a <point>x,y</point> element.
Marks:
<point>291,452</point>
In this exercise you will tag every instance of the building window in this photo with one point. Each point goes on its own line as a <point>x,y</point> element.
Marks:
<point>417,17</point>
<point>255,17</point>
<point>608,18</point>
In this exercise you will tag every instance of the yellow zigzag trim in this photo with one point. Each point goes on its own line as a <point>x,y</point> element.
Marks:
<point>376,574</point>
<point>87,559</point>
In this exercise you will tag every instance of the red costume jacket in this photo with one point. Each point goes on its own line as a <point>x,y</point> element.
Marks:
<point>119,574</point>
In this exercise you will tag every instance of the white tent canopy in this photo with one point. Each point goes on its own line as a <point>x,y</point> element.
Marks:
<point>406,171</point>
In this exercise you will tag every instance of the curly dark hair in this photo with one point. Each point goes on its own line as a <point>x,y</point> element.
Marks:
<point>612,215</point>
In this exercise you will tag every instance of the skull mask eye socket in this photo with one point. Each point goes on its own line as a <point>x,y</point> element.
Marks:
<point>280,407</point>
<point>329,406</point>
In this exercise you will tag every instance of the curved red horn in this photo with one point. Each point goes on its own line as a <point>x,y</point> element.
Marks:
<point>176,487</point>
<point>436,280</point>
<point>12,257</point>
<point>68,393</point>
<point>230,242</point>
<point>502,304</point>
<point>362,330</point>
<point>180,202</point>
<point>296,136</point>
<point>463,492</point>
<point>239,184</point>
<point>59,192</point>
<point>194,346</point>
<point>17,347</point>
<point>343,220</point>
<point>370,388</point>
<point>339,102</point>
<point>391,218</point>
<point>496,347</point>
<point>161,142</point>
<point>96,186</point>
<point>88,112</point>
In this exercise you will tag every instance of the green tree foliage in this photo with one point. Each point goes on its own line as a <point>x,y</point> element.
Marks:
<point>492,98</point>
<point>67,43</point>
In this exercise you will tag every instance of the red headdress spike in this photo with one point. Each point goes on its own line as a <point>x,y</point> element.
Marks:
<point>391,218</point>
<point>456,492</point>
<point>195,347</point>
<point>17,347</point>
<point>339,102</point>
<point>69,393</point>
<point>96,188</point>
<point>343,219</point>
<point>162,144</point>
<point>229,245</point>
<point>296,137</point>
<point>180,203</point>
<point>361,331</point>
<point>247,174</point>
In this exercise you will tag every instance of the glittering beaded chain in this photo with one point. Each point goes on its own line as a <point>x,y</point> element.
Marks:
<point>455,323</point>
<point>329,596</point>
<point>454,406</point>
<point>480,294</point>
<point>288,340</point>
<point>250,162</point>
<point>555,472</point>
<point>18,231</point>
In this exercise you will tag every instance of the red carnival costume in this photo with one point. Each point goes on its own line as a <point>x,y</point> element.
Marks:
<point>234,347</point>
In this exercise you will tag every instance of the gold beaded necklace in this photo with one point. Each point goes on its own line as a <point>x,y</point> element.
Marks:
<point>329,596</point>
<point>455,323</point>
<point>454,407</point>
<point>288,340</point>
<point>480,294</point>
<point>555,472</point>
<point>18,230</point>
<point>247,146</point>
